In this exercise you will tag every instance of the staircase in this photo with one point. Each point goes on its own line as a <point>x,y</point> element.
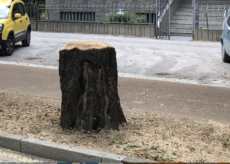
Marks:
<point>181,23</point>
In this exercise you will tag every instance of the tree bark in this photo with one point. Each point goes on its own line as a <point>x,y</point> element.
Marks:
<point>88,77</point>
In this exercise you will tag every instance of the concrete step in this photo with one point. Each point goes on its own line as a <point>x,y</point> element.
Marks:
<point>176,17</point>
<point>182,13</point>
<point>186,5</point>
<point>181,21</point>
<point>181,34</point>
<point>185,10</point>
<point>180,31</point>
<point>181,26</point>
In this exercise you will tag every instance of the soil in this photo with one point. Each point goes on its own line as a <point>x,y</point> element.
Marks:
<point>32,58</point>
<point>147,135</point>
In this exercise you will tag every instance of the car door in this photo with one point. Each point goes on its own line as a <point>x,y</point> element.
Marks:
<point>17,22</point>
<point>227,33</point>
<point>24,18</point>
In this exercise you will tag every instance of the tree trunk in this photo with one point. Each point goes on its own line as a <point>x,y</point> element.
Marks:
<point>88,76</point>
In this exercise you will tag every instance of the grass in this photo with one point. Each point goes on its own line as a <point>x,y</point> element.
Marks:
<point>154,147</point>
<point>226,143</point>
<point>174,154</point>
<point>127,148</point>
<point>36,130</point>
<point>111,143</point>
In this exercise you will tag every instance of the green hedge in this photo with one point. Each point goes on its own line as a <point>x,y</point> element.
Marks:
<point>127,17</point>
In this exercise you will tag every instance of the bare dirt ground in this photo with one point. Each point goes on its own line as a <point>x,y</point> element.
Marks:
<point>147,135</point>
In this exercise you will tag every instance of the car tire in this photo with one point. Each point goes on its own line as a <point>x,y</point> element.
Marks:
<point>26,42</point>
<point>225,56</point>
<point>8,49</point>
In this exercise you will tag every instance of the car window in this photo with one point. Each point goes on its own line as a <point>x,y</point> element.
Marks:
<point>15,10</point>
<point>4,12</point>
<point>228,21</point>
<point>21,9</point>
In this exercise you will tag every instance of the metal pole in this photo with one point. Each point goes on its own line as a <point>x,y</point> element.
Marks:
<point>156,19</point>
<point>206,14</point>
<point>36,16</point>
<point>194,16</point>
<point>169,26</point>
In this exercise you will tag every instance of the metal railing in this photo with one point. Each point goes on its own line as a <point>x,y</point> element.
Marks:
<point>163,19</point>
<point>209,15</point>
<point>156,13</point>
<point>95,13</point>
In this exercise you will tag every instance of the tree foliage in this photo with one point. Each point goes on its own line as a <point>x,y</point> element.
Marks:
<point>127,17</point>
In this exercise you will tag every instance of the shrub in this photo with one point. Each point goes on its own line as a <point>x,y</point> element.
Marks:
<point>43,16</point>
<point>127,17</point>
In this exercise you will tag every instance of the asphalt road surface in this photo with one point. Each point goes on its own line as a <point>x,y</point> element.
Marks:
<point>166,98</point>
<point>178,61</point>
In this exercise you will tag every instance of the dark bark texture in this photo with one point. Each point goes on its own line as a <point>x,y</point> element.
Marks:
<point>90,97</point>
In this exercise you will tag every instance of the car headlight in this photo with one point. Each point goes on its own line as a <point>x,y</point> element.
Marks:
<point>1,27</point>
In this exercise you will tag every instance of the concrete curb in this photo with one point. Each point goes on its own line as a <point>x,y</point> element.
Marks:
<point>61,152</point>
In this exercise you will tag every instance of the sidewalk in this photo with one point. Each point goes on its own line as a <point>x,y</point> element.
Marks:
<point>166,98</point>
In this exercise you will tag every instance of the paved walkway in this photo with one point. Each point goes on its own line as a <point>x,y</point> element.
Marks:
<point>167,98</point>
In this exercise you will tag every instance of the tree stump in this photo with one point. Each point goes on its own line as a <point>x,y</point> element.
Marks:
<point>88,77</point>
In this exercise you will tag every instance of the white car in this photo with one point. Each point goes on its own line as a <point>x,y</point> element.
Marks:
<point>225,39</point>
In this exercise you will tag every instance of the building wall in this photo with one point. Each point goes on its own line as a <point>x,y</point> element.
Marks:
<point>99,13</point>
<point>73,2</point>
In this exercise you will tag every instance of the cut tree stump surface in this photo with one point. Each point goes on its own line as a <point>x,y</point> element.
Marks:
<point>86,45</point>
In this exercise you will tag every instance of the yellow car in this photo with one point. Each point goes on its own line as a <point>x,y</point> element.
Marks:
<point>14,25</point>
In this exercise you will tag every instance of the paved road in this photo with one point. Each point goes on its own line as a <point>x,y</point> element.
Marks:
<point>166,98</point>
<point>179,61</point>
<point>12,156</point>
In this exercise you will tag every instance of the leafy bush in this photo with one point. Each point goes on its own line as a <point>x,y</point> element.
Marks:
<point>43,16</point>
<point>127,17</point>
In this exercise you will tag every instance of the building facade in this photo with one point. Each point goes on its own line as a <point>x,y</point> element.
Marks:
<point>74,2</point>
<point>96,10</point>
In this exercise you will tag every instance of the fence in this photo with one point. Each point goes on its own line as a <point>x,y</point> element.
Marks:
<point>208,19</point>
<point>97,13</point>
<point>210,15</point>
<point>163,19</point>
<point>103,13</point>
<point>139,19</point>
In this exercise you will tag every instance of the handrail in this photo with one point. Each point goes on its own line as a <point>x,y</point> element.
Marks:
<point>163,13</point>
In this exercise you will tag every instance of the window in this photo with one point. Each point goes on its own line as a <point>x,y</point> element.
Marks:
<point>15,10</point>
<point>78,16</point>
<point>4,12</point>
<point>228,21</point>
<point>21,9</point>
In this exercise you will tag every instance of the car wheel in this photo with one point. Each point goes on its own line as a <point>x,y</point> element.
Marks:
<point>26,42</point>
<point>225,56</point>
<point>8,49</point>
